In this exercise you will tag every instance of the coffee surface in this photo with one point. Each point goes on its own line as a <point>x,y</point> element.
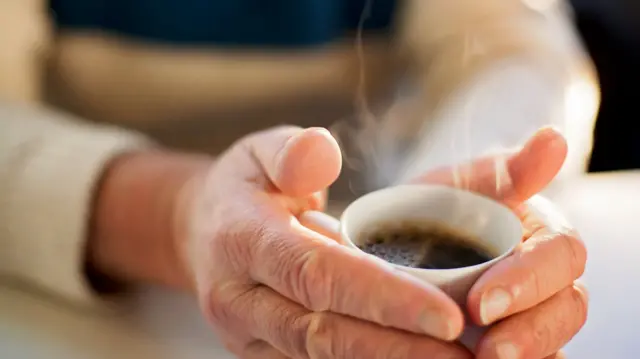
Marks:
<point>426,245</point>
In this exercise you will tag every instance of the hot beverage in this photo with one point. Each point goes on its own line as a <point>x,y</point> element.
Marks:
<point>426,246</point>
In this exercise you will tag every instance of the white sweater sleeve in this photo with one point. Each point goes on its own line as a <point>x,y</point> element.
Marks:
<point>49,168</point>
<point>494,71</point>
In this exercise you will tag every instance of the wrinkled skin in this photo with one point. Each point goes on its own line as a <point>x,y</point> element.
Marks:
<point>273,288</point>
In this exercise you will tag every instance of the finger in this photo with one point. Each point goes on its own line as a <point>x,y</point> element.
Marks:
<point>299,162</point>
<point>322,275</point>
<point>540,267</point>
<point>300,333</point>
<point>261,350</point>
<point>322,223</point>
<point>512,178</point>
<point>539,332</point>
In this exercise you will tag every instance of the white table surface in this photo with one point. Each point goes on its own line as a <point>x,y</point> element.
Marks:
<point>160,325</point>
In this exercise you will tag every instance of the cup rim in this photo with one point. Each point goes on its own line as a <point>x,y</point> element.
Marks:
<point>348,241</point>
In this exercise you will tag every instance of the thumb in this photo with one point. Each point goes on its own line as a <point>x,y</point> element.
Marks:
<point>299,162</point>
<point>511,178</point>
<point>537,163</point>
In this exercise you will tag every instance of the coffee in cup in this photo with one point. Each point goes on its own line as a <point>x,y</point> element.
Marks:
<point>466,232</point>
<point>426,245</point>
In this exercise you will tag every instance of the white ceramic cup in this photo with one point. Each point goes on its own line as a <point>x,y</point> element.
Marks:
<point>487,220</point>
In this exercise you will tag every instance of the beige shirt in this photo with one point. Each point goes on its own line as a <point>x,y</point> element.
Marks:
<point>521,57</point>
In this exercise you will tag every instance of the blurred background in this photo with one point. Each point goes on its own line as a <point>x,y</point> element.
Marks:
<point>609,28</point>
<point>611,32</point>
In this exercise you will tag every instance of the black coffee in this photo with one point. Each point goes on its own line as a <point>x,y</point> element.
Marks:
<point>426,245</point>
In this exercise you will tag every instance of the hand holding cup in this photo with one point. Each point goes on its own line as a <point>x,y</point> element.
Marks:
<point>274,289</point>
<point>527,293</point>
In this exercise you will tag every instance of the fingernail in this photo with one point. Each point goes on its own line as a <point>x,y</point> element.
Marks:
<point>549,129</point>
<point>494,305</point>
<point>552,135</point>
<point>583,289</point>
<point>507,350</point>
<point>294,138</point>
<point>320,130</point>
<point>436,326</point>
<point>282,152</point>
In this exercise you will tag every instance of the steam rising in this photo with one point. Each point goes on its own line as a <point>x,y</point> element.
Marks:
<point>370,144</point>
<point>383,148</point>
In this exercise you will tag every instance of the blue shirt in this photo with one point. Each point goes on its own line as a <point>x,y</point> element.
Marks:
<point>257,23</point>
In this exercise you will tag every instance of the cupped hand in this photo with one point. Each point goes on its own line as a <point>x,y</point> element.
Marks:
<point>273,288</point>
<point>531,296</point>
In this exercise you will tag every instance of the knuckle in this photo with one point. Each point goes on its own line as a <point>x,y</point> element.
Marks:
<point>285,325</point>
<point>328,335</point>
<point>545,333</point>
<point>320,334</point>
<point>299,269</point>
<point>228,305</point>
<point>314,285</point>
<point>235,240</point>
<point>577,253</point>
<point>274,251</point>
<point>299,334</point>
<point>564,331</point>
<point>569,316</point>
<point>581,306</point>
<point>216,305</point>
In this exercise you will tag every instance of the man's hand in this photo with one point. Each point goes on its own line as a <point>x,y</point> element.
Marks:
<point>272,288</point>
<point>275,289</point>
<point>530,296</point>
